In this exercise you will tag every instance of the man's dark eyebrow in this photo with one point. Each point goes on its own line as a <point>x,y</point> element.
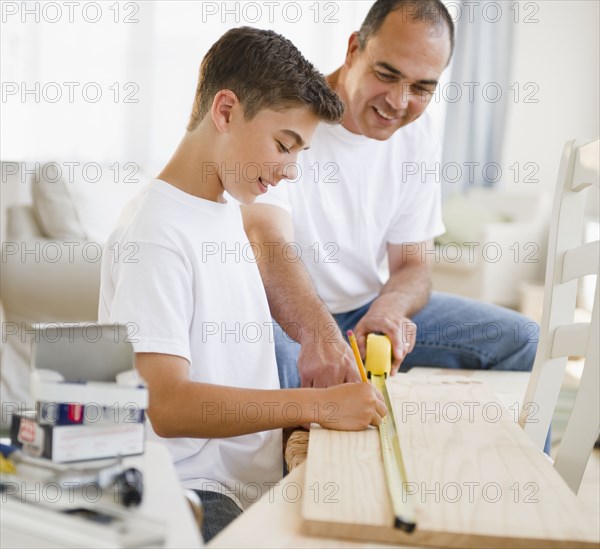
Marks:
<point>296,137</point>
<point>387,67</point>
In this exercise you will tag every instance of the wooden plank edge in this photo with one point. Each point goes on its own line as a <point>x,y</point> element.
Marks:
<point>369,533</point>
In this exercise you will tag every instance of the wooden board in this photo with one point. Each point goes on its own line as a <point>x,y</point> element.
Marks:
<point>275,522</point>
<point>477,479</point>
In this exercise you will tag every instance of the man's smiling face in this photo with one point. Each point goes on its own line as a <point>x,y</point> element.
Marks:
<point>391,81</point>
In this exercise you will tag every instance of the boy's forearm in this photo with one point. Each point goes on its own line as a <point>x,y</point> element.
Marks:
<point>201,410</point>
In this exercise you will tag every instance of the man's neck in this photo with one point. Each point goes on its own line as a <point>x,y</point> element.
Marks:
<point>336,83</point>
<point>333,79</point>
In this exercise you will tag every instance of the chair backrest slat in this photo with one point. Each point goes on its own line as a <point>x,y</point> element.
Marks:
<point>570,340</point>
<point>581,261</point>
<point>560,336</point>
<point>586,166</point>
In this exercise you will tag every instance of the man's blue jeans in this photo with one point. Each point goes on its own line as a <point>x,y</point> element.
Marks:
<point>452,332</point>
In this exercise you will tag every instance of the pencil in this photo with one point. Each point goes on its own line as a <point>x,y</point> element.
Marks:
<point>359,362</point>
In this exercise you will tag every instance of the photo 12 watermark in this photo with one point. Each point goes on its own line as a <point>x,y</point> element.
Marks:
<point>275,492</point>
<point>470,492</point>
<point>72,172</point>
<point>494,12</point>
<point>52,332</point>
<point>69,12</point>
<point>470,412</point>
<point>69,92</point>
<point>469,172</point>
<point>249,13</point>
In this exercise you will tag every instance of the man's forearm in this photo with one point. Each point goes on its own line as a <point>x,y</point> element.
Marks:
<point>292,297</point>
<point>325,359</point>
<point>410,287</point>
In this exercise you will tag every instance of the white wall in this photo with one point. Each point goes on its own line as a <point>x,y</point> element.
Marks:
<point>556,61</point>
<point>160,53</point>
<point>144,52</point>
<point>144,57</point>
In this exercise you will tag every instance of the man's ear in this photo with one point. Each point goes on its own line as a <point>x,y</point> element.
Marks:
<point>353,49</point>
<point>222,105</point>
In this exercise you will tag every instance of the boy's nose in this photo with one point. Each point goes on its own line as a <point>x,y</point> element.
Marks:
<point>290,171</point>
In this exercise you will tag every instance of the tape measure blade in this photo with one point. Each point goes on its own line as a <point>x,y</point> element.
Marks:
<point>393,464</point>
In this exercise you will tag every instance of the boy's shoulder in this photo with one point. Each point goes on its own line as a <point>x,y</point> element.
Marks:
<point>163,214</point>
<point>148,217</point>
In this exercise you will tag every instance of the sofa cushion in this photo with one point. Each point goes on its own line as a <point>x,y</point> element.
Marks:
<point>465,218</point>
<point>82,204</point>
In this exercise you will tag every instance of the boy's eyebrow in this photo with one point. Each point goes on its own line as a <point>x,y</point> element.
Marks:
<point>387,67</point>
<point>296,137</point>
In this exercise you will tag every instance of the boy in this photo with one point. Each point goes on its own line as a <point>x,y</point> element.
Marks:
<point>204,344</point>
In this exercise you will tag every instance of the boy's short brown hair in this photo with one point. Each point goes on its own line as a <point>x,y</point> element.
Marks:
<point>264,70</point>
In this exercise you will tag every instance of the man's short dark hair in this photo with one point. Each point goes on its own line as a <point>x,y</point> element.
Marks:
<point>433,12</point>
<point>264,70</point>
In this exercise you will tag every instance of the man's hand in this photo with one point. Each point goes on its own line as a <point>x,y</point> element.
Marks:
<point>383,317</point>
<point>325,357</point>
<point>326,360</point>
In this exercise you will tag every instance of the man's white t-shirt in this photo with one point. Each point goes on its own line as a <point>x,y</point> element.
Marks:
<point>352,197</point>
<point>180,272</point>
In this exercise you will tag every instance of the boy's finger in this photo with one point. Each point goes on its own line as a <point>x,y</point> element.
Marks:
<point>378,393</point>
<point>376,421</point>
<point>381,409</point>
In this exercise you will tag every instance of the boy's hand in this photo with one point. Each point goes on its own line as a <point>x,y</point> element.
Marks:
<point>327,362</point>
<point>352,407</point>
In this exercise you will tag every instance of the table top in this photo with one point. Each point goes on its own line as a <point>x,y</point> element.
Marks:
<point>275,521</point>
<point>163,507</point>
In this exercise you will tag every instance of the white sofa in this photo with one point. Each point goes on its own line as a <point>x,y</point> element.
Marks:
<point>495,240</point>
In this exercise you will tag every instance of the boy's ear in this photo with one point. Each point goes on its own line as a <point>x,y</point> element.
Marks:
<point>353,49</point>
<point>223,103</point>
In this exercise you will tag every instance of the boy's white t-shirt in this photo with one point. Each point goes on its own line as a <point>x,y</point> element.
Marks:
<point>352,197</point>
<point>180,272</point>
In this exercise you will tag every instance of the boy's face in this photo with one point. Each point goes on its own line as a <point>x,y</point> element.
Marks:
<point>259,153</point>
<point>390,83</point>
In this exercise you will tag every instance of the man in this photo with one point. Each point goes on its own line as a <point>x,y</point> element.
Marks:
<point>355,203</point>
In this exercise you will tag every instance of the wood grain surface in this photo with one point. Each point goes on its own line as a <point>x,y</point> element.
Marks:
<point>475,477</point>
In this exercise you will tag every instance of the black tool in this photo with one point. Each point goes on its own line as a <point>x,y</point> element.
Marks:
<point>129,485</point>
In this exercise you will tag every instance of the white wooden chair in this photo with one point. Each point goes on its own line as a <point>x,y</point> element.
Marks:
<point>560,337</point>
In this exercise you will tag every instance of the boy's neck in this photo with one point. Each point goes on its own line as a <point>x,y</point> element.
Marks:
<point>189,168</point>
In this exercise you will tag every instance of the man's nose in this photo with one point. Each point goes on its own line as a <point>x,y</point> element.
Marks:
<point>399,96</point>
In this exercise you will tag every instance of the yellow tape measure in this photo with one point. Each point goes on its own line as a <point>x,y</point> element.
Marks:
<point>378,366</point>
